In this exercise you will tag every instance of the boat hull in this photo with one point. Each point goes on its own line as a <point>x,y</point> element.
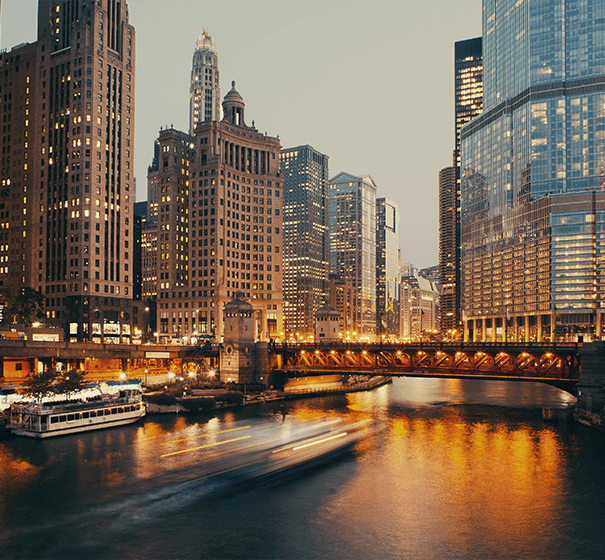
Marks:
<point>57,419</point>
<point>75,429</point>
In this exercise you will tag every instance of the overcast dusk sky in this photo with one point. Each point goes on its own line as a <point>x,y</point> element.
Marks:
<point>368,83</point>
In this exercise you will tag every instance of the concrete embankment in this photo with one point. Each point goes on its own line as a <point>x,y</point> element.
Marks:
<point>258,398</point>
<point>573,414</point>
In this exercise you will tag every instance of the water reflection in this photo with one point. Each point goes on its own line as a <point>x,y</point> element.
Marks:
<point>447,476</point>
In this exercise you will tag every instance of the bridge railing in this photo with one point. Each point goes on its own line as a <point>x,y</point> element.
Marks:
<point>441,345</point>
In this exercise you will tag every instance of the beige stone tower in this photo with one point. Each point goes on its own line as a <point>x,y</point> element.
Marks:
<point>238,351</point>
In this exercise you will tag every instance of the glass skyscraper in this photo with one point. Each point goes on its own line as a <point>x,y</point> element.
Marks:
<point>468,103</point>
<point>532,198</point>
<point>353,243</point>
<point>306,236</point>
<point>387,267</point>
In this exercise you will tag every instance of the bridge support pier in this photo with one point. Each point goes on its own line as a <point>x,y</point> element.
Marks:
<point>591,385</point>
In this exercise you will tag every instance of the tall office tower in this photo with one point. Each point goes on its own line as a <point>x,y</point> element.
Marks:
<point>468,103</point>
<point>168,182</point>
<point>387,267</point>
<point>353,243</point>
<point>306,236</point>
<point>468,89</point>
<point>449,269</point>
<point>219,225</point>
<point>533,205</point>
<point>73,122</point>
<point>205,91</point>
<point>18,87</point>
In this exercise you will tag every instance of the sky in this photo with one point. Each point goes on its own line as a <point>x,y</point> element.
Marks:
<point>368,83</point>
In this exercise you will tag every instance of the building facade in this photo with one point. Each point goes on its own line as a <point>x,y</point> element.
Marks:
<point>306,236</point>
<point>387,268</point>
<point>73,119</point>
<point>353,243</point>
<point>419,308</point>
<point>205,90</point>
<point>468,103</point>
<point>533,206</point>
<point>343,298</point>
<point>219,228</point>
<point>449,251</point>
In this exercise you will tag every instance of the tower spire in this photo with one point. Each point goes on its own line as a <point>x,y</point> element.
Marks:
<point>204,91</point>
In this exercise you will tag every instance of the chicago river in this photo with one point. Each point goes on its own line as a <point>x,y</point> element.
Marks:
<point>441,469</point>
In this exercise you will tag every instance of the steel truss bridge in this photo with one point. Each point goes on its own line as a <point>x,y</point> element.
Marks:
<point>557,364</point>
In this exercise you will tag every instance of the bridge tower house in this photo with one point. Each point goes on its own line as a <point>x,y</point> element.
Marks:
<point>242,358</point>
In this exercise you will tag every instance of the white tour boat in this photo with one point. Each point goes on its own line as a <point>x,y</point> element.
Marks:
<point>48,419</point>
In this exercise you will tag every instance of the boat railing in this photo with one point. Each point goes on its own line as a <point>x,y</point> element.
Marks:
<point>70,406</point>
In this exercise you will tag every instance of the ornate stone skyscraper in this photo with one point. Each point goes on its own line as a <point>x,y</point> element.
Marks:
<point>205,91</point>
<point>217,198</point>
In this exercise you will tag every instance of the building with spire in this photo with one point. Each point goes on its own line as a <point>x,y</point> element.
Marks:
<point>219,225</point>
<point>205,91</point>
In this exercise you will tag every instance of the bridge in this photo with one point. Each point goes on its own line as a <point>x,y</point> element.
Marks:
<point>557,364</point>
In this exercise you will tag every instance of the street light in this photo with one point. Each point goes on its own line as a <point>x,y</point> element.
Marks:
<point>170,377</point>
<point>122,377</point>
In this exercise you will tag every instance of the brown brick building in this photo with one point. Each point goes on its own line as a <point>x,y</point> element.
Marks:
<point>68,154</point>
<point>218,199</point>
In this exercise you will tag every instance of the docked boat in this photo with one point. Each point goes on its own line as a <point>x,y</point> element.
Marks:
<point>48,419</point>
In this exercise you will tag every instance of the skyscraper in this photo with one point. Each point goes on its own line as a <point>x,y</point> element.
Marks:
<point>219,225</point>
<point>533,205</point>
<point>387,267</point>
<point>205,91</point>
<point>468,88</point>
<point>73,117</point>
<point>449,261</point>
<point>353,243</point>
<point>306,236</point>
<point>468,103</point>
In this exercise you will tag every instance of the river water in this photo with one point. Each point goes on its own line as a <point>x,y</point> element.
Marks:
<point>455,469</point>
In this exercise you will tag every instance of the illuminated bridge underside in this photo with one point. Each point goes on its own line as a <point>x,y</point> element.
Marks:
<point>557,365</point>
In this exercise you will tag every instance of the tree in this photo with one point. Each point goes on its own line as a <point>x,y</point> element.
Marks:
<point>20,304</point>
<point>39,385</point>
<point>69,383</point>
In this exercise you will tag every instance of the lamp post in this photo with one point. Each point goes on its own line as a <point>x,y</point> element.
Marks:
<point>146,371</point>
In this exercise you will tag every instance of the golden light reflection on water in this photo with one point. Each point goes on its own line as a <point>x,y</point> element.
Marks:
<point>449,476</point>
<point>15,470</point>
